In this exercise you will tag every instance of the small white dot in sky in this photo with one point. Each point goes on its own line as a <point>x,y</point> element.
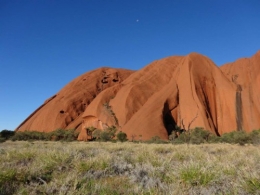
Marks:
<point>137,20</point>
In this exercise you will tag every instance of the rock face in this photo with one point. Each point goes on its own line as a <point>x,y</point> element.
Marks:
<point>168,92</point>
<point>188,91</point>
<point>245,74</point>
<point>65,109</point>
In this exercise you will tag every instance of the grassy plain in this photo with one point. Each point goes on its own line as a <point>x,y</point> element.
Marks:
<point>128,168</point>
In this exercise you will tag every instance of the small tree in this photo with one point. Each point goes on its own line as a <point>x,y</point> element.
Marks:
<point>121,136</point>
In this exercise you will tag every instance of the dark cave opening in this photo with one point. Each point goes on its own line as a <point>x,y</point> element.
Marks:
<point>168,120</point>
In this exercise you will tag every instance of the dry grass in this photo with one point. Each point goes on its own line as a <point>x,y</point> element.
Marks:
<point>128,168</point>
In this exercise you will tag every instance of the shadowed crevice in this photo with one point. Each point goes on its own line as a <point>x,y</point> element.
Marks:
<point>239,114</point>
<point>168,120</point>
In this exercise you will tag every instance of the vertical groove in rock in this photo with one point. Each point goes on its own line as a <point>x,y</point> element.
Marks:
<point>239,114</point>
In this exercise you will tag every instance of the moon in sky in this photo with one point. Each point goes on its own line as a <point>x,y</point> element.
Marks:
<point>137,20</point>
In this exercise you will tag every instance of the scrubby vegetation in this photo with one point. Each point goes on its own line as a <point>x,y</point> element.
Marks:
<point>199,136</point>
<point>57,135</point>
<point>219,165</point>
<point>105,135</point>
<point>5,135</point>
<point>40,167</point>
<point>193,136</point>
<point>121,136</point>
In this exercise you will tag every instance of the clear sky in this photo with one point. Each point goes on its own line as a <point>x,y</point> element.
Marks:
<point>44,44</point>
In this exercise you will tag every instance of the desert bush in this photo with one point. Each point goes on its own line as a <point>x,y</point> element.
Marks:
<point>199,135</point>
<point>255,137</point>
<point>29,135</point>
<point>64,135</point>
<point>193,136</point>
<point>214,139</point>
<point>105,136</point>
<point>121,136</point>
<point>57,135</point>
<point>6,134</point>
<point>96,134</point>
<point>108,134</point>
<point>236,137</point>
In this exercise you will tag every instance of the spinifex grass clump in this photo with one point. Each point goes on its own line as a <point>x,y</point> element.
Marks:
<point>41,167</point>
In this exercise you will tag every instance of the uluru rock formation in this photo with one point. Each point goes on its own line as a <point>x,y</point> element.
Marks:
<point>188,91</point>
<point>245,74</point>
<point>65,109</point>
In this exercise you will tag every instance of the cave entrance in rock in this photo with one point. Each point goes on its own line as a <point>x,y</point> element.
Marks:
<point>168,120</point>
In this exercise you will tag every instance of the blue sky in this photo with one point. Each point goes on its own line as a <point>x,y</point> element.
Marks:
<point>44,44</point>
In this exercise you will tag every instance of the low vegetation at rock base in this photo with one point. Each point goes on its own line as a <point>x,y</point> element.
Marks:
<point>193,136</point>
<point>5,135</point>
<point>199,136</point>
<point>48,167</point>
<point>57,135</point>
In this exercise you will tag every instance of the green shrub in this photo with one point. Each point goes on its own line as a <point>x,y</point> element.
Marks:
<point>214,139</point>
<point>255,137</point>
<point>64,135</point>
<point>6,134</point>
<point>193,136</point>
<point>182,138</point>
<point>97,134</point>
<point>199,135</point>
<point>105,136</point>
<point>29,135</point>
<point>236,137</point>
<point>108,134</point>
<point>57,135</point>
<point>121,136</point>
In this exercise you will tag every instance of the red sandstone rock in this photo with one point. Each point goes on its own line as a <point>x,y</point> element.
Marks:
<point>245,74</point>
<point>188,91</point>
<point>65,109</point>
<point>168,92</point>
